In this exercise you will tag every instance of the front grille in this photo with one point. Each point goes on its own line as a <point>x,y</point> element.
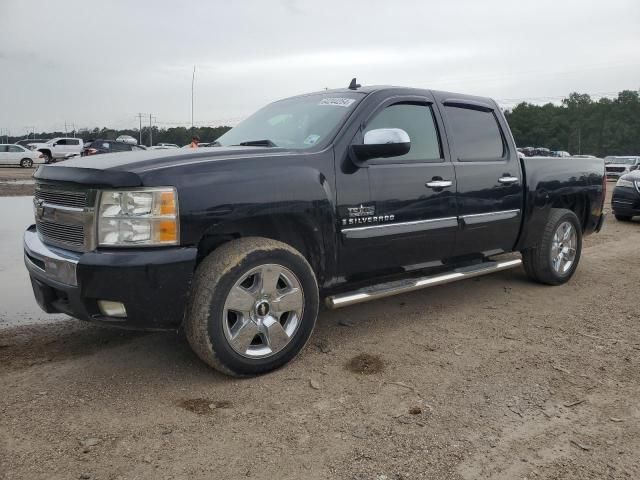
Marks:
<point>77,199</point>
<point>65,216</point>
<point>70,235</point>
<point>615,169</point>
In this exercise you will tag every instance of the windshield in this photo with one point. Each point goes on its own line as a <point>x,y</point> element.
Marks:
<point>298,123</point>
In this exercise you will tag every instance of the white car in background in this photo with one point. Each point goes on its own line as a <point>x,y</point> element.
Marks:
<point>11,154</point>
<point>59,148</point>
<point>617,166</point>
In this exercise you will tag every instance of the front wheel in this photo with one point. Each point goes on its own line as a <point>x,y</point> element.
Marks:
<point>253,306</point>
<point>26,163</point>
<point>555,257</point>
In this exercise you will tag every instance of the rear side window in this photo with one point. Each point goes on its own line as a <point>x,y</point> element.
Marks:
<point>476,134</point>
<point>15,149</point>
<point>417,120</point>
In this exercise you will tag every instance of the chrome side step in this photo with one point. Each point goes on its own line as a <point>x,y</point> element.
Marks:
<point>403,286</point>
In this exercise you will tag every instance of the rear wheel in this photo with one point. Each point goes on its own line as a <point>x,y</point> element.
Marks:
<point>253,306</point>
<point>26,163</point>
<point>623,218</point>
<point>47,157</point>
<point>555,257</point>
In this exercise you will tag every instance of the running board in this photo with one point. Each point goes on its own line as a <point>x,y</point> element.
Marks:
<point>403,286</point>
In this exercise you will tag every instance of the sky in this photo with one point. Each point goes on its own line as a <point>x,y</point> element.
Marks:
<point>87,63</point>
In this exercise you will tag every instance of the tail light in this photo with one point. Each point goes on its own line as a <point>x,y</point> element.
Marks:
<point>91,151</point>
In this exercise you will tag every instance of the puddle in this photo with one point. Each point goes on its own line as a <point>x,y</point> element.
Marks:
<point>365,364</point>
<point>17,304</point>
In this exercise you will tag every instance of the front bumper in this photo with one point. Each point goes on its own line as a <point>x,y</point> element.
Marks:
<point>616,175</point>
<point>625,202</point>
<point>153,284</point>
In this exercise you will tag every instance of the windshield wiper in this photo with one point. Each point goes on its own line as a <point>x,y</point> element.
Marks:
<point>256,143</point>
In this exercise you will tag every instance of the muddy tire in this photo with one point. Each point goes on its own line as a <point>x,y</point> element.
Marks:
<point>253,306</point>
<point>555,257</point>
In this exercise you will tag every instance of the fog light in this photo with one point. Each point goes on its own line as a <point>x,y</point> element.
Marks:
<point>112,309</point>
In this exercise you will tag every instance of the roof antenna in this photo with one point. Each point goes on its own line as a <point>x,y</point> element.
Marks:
<point>353,85</point>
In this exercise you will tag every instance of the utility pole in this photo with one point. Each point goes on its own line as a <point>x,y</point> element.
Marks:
<point>33,131</point>
<point>193,79</point>
<point>151,119</point>
<point>579,141</point>
<point>140,118</point>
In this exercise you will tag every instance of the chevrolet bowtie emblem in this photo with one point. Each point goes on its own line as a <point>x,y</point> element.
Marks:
<point>38,206</point>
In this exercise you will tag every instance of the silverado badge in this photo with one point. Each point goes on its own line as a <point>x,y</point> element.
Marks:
<point>364,214</point>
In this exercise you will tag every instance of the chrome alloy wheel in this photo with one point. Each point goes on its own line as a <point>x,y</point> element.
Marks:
<point>563,247</point>
<point>262,311</point>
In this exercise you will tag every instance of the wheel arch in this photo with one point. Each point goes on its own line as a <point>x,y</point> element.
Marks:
<point>578,203</point>
<point>293,229</point>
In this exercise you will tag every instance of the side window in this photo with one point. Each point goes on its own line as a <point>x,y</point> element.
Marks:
<point>476,134</point>
<point>61,142</point>
<point>417,120</point>
<point>4,148</point>
<point>15,149</point>
<point>73,142</point>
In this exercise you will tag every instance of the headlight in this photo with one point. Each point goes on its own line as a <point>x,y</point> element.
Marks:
<point>142,217</point>
<point>624,183</point>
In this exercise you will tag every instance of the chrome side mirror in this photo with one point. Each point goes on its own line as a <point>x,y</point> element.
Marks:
<point>383,143</point>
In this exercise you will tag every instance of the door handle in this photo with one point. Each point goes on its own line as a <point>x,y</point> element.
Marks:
<point>439,183</point>
<point>508,180</point>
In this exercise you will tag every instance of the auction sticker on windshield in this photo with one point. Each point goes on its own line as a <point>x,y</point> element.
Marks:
<point>337,102</point>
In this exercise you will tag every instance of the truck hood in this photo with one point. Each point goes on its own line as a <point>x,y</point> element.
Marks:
<point>124,169</point>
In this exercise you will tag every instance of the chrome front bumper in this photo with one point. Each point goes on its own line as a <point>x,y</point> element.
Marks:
<point>50,262</point>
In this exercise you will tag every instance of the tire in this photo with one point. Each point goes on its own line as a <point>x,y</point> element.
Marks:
<point>555,258</point>
<point>623,218</point>
<point>26,163</point>
<point>47,157</point>
<point>253,306</point>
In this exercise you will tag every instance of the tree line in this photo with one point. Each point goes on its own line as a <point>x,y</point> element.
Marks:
<point>580,125</point>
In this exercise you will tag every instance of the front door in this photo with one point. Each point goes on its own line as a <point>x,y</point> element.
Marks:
<point>407,219</point>
<point>489,178</point>
<point>4,154</point>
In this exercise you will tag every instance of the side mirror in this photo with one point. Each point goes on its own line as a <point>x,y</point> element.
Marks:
<point>383,143</point>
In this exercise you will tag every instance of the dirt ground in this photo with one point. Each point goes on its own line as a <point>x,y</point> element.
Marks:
<point>495,377</point>
<point>15,181</point>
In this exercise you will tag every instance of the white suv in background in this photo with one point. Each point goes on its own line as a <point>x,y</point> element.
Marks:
<point>18,155</point>
<point>59,148</point>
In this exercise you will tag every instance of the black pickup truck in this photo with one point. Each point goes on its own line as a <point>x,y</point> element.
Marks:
<point>344,195</point>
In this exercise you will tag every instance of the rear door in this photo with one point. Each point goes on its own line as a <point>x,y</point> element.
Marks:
<point>16,153</point>
<point>406,219</point>
<point>488,172</point>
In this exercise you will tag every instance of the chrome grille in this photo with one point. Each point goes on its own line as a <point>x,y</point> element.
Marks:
<point>615,169</point>
<point>65,216</point>
<point>71,235</point>
<point>77,199</point>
